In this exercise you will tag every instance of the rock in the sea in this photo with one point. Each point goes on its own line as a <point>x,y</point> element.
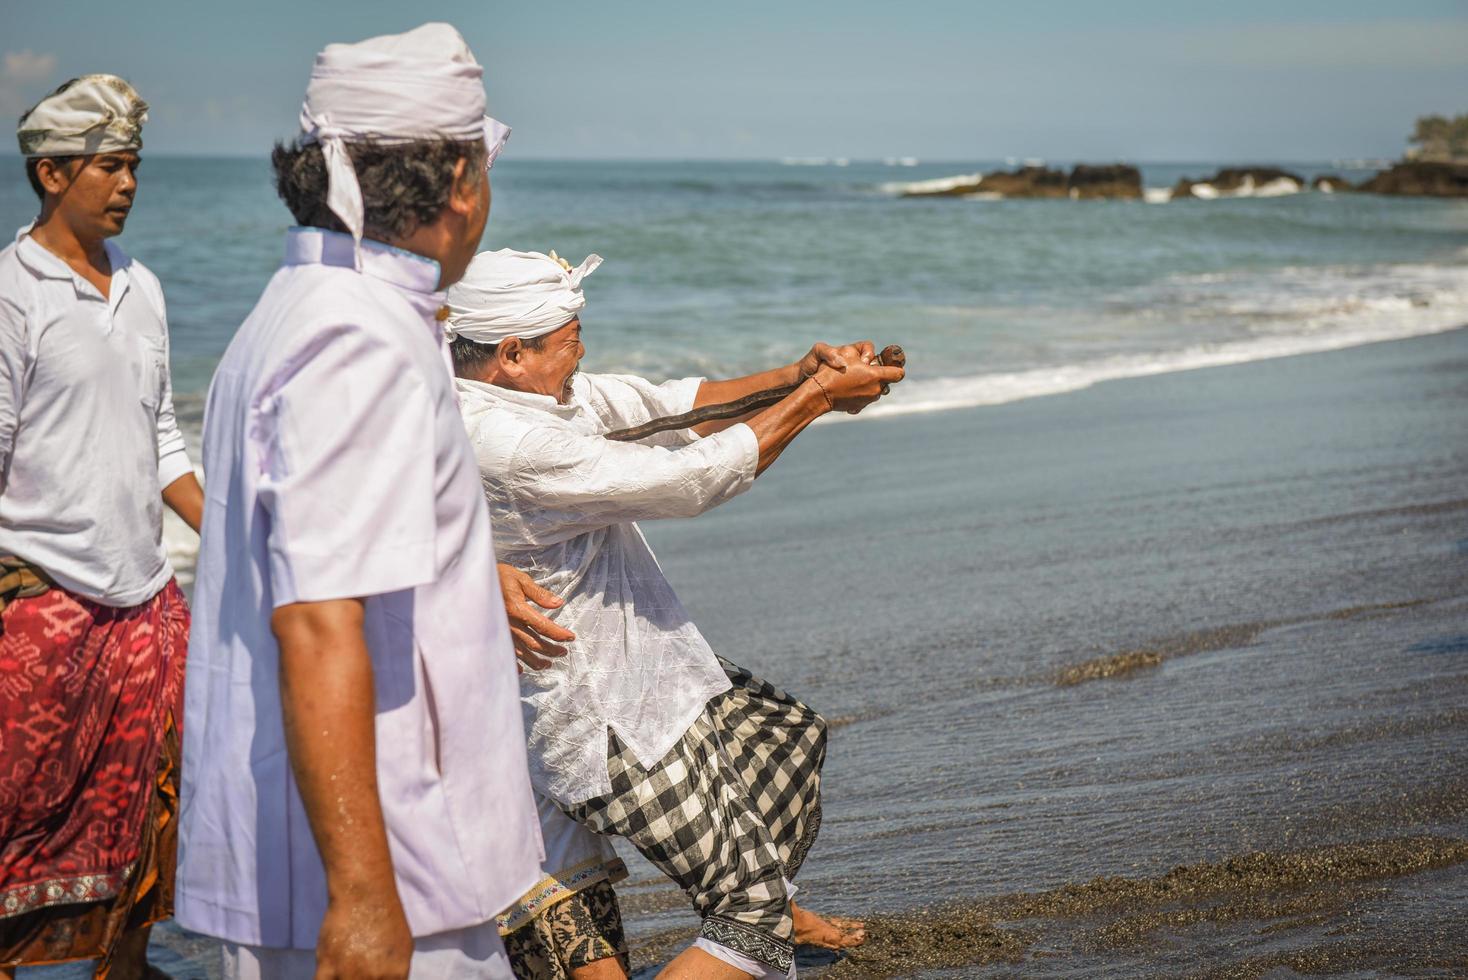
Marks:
<point>1421,178</point>
<point>1241,182</point>
<point>1026,182</point>
<point>1117,180</point>
<point>1330,183</point>
<point>1085,181</point>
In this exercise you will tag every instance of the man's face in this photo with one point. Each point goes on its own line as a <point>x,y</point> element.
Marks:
<point>94,194</point>
<point>549,371</point>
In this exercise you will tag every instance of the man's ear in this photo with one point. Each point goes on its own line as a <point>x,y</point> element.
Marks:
<point>56,175</point>
<point>508,354</point>
<point>464,195</point>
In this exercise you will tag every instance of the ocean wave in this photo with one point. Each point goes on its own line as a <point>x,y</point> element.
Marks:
<point>1343,308</point>
<point>934,186</point>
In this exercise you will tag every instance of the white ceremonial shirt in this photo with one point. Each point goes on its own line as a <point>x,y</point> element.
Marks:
<point>564,500</point>
<point>337,467</point>
<point>88,437</point>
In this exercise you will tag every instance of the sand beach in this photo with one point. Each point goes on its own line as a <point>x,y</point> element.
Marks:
<point>1168,675</point>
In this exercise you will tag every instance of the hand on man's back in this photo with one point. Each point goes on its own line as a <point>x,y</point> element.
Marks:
<point>537,637</point>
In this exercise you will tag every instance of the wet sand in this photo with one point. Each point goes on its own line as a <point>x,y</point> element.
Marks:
<point>1306,911</point>
<point>1167,678</point>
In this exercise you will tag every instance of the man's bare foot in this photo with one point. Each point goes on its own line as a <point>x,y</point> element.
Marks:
<point>828,932</point>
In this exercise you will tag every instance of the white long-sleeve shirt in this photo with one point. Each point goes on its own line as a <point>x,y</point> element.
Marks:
<point>565,501</point>
<point>88,437</point>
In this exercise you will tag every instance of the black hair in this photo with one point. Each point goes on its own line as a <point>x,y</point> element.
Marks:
<point>404,185</point>
<point>35,178</point>
<point>470,356</point>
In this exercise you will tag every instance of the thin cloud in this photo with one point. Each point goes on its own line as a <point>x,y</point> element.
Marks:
<point>22,67</point>
<point>20,73</point>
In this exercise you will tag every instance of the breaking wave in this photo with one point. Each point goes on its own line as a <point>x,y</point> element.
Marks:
<point>1247,317</point>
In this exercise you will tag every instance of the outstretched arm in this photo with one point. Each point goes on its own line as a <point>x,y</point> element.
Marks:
<point>722,392</point>
<point>826,390</point>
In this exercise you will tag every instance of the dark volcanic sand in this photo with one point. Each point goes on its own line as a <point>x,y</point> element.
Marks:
<point>1215,621</point>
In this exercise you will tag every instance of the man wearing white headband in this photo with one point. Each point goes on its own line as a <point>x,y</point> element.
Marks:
<point>94,627</point>
<point>637,728</point>
<point>355,797</point>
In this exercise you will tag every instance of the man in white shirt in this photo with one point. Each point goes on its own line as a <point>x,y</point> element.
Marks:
<point>94,628</point>
<point>354,777</point>
<point>639,730</point>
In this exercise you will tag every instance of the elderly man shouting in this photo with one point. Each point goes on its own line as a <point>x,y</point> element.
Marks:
<point>639,730</point>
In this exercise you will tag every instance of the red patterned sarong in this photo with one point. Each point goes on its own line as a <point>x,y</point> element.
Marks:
<point>87,695</point>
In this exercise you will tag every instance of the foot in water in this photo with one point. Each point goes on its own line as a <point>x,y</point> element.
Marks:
<point>828,932</point>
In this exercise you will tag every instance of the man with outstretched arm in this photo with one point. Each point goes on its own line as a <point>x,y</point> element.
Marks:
<point>94,628</point>
<point>637,729</point>
<point>356,802</point>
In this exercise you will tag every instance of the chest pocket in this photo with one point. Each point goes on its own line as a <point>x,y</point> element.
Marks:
<point>149,368</point>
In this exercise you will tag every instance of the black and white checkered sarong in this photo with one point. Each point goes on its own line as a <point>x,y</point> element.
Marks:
<point>729,812</point>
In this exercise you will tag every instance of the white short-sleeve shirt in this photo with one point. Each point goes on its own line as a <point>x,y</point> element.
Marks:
<point>87,430</point>
<point>337,466</point>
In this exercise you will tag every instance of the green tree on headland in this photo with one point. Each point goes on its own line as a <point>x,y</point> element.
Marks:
<point>1440,138</point>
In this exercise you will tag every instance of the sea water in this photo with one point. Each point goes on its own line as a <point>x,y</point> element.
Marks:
<point>725,268</point>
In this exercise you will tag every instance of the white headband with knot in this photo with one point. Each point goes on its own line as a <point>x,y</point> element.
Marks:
<point>398,88</point>
<point>516,294</point>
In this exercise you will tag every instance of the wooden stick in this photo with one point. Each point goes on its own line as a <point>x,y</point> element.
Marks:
<point>892,356</point>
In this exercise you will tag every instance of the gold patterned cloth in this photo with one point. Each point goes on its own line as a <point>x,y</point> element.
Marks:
<point>572,934</point>
<point>19,579</point>
<point>88,114</point>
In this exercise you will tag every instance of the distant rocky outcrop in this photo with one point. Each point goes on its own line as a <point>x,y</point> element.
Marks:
<point>1241,182</point>
<point>1085,181</point>
<point>1330,183</point>
<point>1420,178</point>
<point>1026,182</point>
<point>1117,180</point>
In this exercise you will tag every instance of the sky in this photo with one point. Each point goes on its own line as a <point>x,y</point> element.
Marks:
<point>1287,80</point>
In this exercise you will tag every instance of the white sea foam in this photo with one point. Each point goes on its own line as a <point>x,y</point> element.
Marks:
<point>1335,309</point>
<point>1278,187</point>
<point>1156,195</point>
<point>937,185</point>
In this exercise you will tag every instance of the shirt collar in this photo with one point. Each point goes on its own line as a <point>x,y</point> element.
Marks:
<point>414,274</point>
<point>526,399</point>
<point>48,265</point>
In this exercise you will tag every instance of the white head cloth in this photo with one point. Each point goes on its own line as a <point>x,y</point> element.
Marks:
<point>516,294</point>
<point>397,88</point>
<point>90,114</point>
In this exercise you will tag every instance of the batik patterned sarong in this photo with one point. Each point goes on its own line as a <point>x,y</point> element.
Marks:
<point>584,928</point>
<point>728,813</point>
<point>88,696</point>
